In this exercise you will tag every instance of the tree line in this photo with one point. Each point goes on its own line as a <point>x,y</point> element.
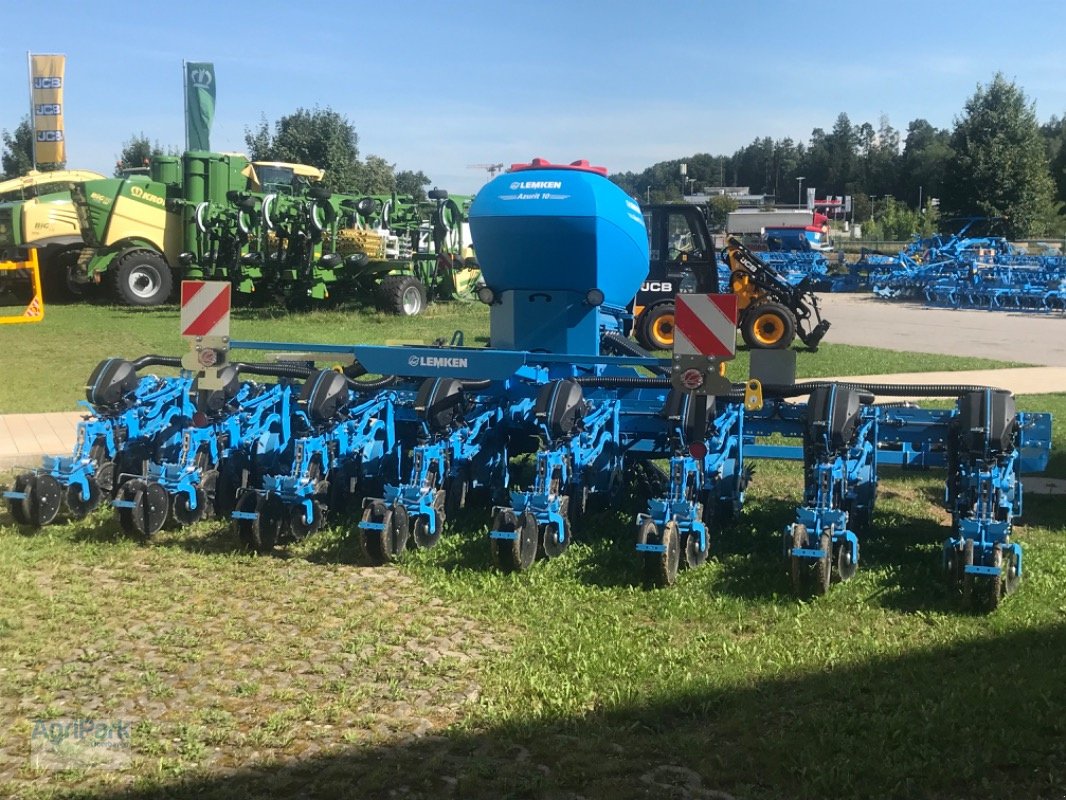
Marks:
<point>319,137</point>
<point>996,161</point>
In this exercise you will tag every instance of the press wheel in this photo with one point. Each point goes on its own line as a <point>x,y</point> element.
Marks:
<point>798,564</point>
<point>79,507</point>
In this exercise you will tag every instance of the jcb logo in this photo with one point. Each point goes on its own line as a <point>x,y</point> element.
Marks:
<point>49,136</point>
<point>657,286</point>
<point>48,110</point>
<point>47,83</point>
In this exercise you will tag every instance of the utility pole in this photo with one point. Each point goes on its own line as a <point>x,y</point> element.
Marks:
<point>799,190</point>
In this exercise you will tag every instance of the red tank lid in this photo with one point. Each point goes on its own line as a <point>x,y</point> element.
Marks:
<point>581,165</point>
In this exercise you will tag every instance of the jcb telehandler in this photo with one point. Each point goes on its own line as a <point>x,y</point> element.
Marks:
<point>772,311</point>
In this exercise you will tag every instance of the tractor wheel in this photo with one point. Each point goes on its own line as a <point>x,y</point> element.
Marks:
<point>57,279</point>
<point>768,326</point>
<point>655,331</point>
<point>518,554</point>
<point>142,278</point>
<point>403,294</point>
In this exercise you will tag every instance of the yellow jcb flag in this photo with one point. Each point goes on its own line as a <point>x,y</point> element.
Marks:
<point>46,93</point>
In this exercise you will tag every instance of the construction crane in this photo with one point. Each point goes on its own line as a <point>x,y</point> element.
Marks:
<point>492,169</point>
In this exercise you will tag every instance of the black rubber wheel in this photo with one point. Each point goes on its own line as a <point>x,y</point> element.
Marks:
<point>555,541</point>
<point>387,543</point>
<point>272,520</point>
<point>695,556</point>
<point>798,564</point>
<point>995,583</point>
<point>56,279</point>
<point>183,513</point>
<point>78,507</point>
<point>420,532</point>
<point>515,555</point>
<point>151,505</point>
<point>823,567</point>
<point>967,577</point>
<point>846,566</point>
<point>141,278</point>
<point>768,326</point>
<point>456,490</point>
<point>953,563</point>
<point>301,526</point>
<point>105,477</point>
<point>19,507</point>
<point>1011,578</point>
<point>655,330</point>
<point>248,529</point>
<point>45,499</point>
<point>660,569</point>
<point>402,294</point>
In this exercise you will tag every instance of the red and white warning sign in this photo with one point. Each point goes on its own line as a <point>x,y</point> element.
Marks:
<point>705,325</point>
<point>205,308</point>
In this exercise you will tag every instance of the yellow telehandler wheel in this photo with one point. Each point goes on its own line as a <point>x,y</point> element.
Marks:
<point>768,326</point>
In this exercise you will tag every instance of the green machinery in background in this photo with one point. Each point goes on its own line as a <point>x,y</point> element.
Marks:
<point>272,231</point>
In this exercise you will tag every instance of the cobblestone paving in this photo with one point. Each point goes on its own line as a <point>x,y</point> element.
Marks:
<point>222,663</point>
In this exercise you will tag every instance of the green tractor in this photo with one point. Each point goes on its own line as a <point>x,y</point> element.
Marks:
<point>140,229</point>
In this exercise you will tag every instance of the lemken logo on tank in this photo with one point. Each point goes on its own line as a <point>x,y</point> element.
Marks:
<point>536,185</point>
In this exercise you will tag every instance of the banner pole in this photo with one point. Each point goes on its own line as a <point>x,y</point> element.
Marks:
<point>33,120</point>
<point>185,100</point>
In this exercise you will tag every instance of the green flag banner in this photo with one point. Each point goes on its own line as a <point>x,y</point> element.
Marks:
<point>199,104</point>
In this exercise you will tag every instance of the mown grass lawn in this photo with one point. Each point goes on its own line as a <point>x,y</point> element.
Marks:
<point>307,675</point>
<point>52,359</point>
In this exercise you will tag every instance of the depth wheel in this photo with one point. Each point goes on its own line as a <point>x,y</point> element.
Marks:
<point>995,584</point>
<point>967,577</point>
<point>43,498</point>
<point>518,554</point>
<point>420,530</point>
<point>301,526</point>
<point>798,565</point>
<point>823,567</point>
<point>660,569</point>
<point>386,543</point>
<point>846,565</point>
<point>248,529</point>
<point>1011,576</point>
<point>953,563</point>
<point>151,503</point>
<point>554,540</point>
<point>695,556</point>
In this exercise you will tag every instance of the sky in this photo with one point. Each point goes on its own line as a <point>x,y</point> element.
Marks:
<point>440,86</point>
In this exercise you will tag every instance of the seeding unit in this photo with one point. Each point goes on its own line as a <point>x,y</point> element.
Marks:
<point>558,413</point>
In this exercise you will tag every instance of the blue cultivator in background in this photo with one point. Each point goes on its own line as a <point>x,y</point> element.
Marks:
<point>132,419</point>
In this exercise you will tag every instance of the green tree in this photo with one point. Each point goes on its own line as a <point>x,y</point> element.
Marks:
<point>318,137</point>
<point>1000,166</point>
<point>136,153</point>
<point>412,183</point>
<point>925,161</point>
<point>376,176</point>
<point>17,158</point>
<point>718,209</point>
<point>1054,133</point>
